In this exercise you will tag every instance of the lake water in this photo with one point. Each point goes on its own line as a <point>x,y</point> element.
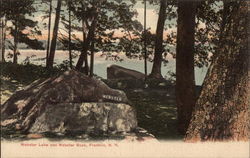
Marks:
<point>100,66</point>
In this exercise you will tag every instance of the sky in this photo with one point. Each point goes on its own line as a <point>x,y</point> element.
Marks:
<point>151,18</point>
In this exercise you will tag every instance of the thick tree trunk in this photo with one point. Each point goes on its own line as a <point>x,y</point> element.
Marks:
<point>70,51</point>
<point>185,80</point>
<point>156,70</point>
<point>49,27</point>
<point>221,112</point>
<point>54,38</point>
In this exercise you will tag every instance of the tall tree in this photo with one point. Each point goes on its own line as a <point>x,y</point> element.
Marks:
<point>68,35</point>
<point>16,38</point>
<point>1,41</point>
<point>145,40</point>
<point>90,37</point>
<point>3,25</point>
<point>70,30</point>
<point>156,70</point>
<point>49,28</point>
<point>92,56</point>
<point>1,33</point>
<point>3,37</point>
<point>221,112</point>
<point>54,37</point>
<point>100,20</point>
<point>185,79</point>
<point>16,13</point>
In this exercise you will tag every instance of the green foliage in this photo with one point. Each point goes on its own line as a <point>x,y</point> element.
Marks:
<point>133,47</point>
<point>64,66</point>
<point>112,15</point>
<point>208,22</point>
<point>209,15</point>
<point>27,73</point>
<point>21,28</point>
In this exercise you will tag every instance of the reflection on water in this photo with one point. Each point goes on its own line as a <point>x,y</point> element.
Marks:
<point>100,66</point>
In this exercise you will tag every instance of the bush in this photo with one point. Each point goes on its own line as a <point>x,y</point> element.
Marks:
<point>26,73</point>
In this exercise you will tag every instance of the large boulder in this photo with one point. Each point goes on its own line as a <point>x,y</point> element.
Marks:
<point>87,117</point>
<point>118,72</point>
<point>69,102</point>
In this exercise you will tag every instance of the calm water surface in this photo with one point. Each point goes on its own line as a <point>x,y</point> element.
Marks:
<point>101,64</point>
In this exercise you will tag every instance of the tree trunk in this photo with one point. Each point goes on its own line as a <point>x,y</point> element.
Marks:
<point>156,70</point>
<point>84,52</point>
<point>70,51</point>
<point>92,59</point>
<point>145,41</point>
<point>54,38</point>
<point>86,46</point>
<point>4,39</point>
<point>185,80</point>
<point>221,112</point>
<point>49,27</point>
<point>15,51</point>
<point>86,66</point>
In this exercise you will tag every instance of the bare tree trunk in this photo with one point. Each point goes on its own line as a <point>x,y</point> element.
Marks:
<point>49,27</point>
<point>55,33</point>
<point>92,59</point>
<point>221,112</point>
<point>86,46</point>
<point>4,39</point>
<point>185,79</point>
<point>156,70</point>
<point>15,51</point>
<point>1,40</point>
<point>86,66</point>
<point>70,51</point>
<point>145,40</point>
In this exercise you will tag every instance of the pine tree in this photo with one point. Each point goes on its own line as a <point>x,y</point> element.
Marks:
<point>16,13</point>
<point>156,70</point>
<point>185,79</point>
<point>54,37</point>
<point>221,112</point>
